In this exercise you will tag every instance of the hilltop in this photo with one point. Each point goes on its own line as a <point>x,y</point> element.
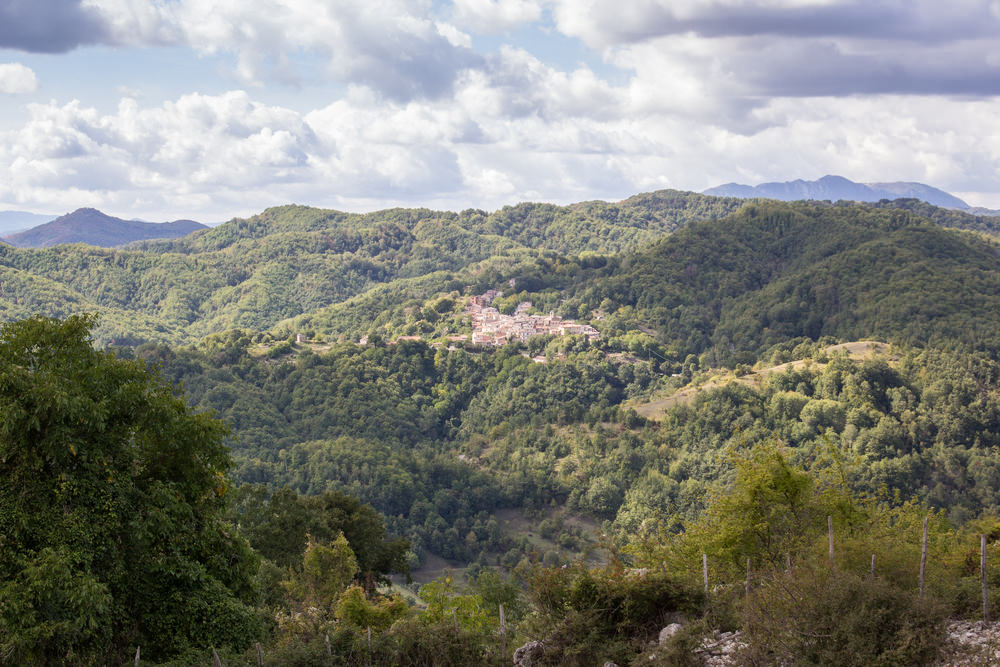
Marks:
<point>90,226</point>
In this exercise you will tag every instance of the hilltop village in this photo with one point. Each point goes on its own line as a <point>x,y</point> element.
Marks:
<point>493,329</point>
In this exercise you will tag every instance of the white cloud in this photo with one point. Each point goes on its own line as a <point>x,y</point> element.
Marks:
<point>511,128</point>
<point>721,59</point>
<point>16,79</point>
<point>391,46</point>
<point>487,16</point>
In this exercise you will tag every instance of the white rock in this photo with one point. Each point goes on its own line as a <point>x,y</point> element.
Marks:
<point>669,631</point>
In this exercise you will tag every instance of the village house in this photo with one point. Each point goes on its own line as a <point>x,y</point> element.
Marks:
<point>492,328</point>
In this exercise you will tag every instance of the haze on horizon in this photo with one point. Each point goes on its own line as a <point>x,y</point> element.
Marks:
<point>205,109</point>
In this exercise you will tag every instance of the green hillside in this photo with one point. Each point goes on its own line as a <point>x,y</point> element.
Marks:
<point>292,260</point>
<point>774,271</point>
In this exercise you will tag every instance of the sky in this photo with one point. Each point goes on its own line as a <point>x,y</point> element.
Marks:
<point>210,109</point>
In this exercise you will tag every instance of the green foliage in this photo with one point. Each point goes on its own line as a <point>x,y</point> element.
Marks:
<point>819,616</point>
<point>590,615</point>
<point>293,261</point>
<point>55,608</point>
<point>357,610</point>
<point>111,493</point>
<point>444,600</point>
<point>325,573</point>
<point>774,271</point>
<point>281,524</point>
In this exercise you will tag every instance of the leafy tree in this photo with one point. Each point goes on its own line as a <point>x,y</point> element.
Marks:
<point>111,492</point>
<point>325,573</point>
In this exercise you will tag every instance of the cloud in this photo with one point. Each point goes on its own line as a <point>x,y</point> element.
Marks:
<point>214,156</point>
<point>49,26</point>
<point>742,52</point>
<point>488,16</point>
<point>15,78</point>
<point>604,23</point>
<point>391,46</point>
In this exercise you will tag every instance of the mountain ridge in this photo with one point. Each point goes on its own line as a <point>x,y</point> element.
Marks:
<point>93,227</point>
<point>834,188</point>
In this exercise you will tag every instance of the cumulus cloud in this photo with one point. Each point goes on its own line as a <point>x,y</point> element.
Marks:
<point>49,26</point>
<point>748,90</point>
<point>487,16</point>
<point>213,156</point>
<point>391,46</point>
<point>15,78</point>
<point>607,22</point>
<point>762,48</point>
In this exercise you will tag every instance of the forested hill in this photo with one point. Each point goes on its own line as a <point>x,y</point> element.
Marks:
<point>290,260</point>
<point>774,271</point>
<point>739,280</point>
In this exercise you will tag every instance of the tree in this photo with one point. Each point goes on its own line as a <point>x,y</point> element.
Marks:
<point>325,574</point>
<point>111,492</point>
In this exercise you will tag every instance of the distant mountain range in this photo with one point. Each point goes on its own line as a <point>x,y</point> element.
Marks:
<point>90,226</point>
<point>16,221</point>
<point>835,188</point>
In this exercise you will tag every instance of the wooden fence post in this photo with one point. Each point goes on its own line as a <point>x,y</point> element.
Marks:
<point>923,557</point>
<point>748,576</point>
<point>788,563</point>
<point>872,572</point>
<point>329,649</point>
<point>704,571</point>
<point>982,576</point>
<point>260,655</point>
<point>137,656</point>
<point>216,660</point>
<point>503,635</point>
<point>829,529</point>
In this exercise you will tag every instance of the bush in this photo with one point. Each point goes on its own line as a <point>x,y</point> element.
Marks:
<point>412,642</point>
<point>606,613</point>
<point>816,616</point>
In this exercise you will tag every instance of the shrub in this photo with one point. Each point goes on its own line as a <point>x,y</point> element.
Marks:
<point>607,613</point>
<point>818,616</point>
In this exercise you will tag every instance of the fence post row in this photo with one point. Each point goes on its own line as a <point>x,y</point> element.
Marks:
<point>704,570</point>
<point>829,529</point>
<point>788,569</point>
<point>503,635</point>
<point>923,557</point>
<point>982,576</point>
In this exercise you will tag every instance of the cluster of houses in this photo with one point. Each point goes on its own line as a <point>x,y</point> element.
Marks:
<point>491,328</point>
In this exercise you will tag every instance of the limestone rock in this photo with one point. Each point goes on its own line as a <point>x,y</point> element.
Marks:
<point>529,655</point>
<point>669,631</point>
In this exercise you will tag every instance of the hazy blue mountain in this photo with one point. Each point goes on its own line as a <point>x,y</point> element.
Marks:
<point>16,221</point>
<point>835,188</point>
<point>90,226</point>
